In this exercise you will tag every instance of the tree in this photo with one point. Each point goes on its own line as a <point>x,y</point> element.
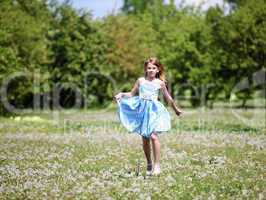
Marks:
<point>240,42</point>
<point>23,46</point>
<point>132,41</point>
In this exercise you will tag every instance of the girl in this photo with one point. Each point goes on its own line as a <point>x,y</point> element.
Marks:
<point>144,114</point>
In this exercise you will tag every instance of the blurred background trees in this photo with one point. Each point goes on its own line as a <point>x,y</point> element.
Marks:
<point>206,53</point>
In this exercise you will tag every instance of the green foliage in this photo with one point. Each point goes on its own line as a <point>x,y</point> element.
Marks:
<point>130,45</point>
<point>78,50</point>
<point>240,38</point>
<point>23,47</point>
<point>206,54</point>
<point>139,7</point>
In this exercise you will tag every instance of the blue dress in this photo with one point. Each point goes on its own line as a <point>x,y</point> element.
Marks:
<point>144,114</point>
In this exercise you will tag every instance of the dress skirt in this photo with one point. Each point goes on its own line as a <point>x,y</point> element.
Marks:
<point>143,116</point>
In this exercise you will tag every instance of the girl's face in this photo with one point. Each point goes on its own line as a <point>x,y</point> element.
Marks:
<point>151,70</point>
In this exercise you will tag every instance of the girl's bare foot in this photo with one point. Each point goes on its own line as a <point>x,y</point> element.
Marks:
<point>156,170</point>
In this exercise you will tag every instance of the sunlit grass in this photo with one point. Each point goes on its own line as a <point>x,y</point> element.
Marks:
<point>212,154</point>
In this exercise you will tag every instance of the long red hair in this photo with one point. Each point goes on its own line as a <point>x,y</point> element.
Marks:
<point>153,60</point>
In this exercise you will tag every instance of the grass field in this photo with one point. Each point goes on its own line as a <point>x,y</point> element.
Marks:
<point>208,154</point>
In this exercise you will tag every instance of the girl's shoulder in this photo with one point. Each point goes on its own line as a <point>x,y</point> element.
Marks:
<point>160,82</point>
<point>141,79</point>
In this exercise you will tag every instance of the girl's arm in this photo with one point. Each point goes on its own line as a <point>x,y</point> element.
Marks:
<point>170,99</point>
<point>128,94</point>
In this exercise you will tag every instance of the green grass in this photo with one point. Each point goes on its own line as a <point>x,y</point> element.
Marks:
<point>215,154</point>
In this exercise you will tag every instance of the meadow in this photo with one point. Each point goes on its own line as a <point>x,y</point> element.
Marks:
<point>81,154</point>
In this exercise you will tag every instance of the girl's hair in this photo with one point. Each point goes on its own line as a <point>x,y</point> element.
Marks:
<point>156,62</point>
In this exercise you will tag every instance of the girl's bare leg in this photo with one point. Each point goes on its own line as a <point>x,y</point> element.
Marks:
<point>156,152</point>
<point>147,151</point>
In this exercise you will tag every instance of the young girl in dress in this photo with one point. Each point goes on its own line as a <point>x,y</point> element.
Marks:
<point>144,114</point>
